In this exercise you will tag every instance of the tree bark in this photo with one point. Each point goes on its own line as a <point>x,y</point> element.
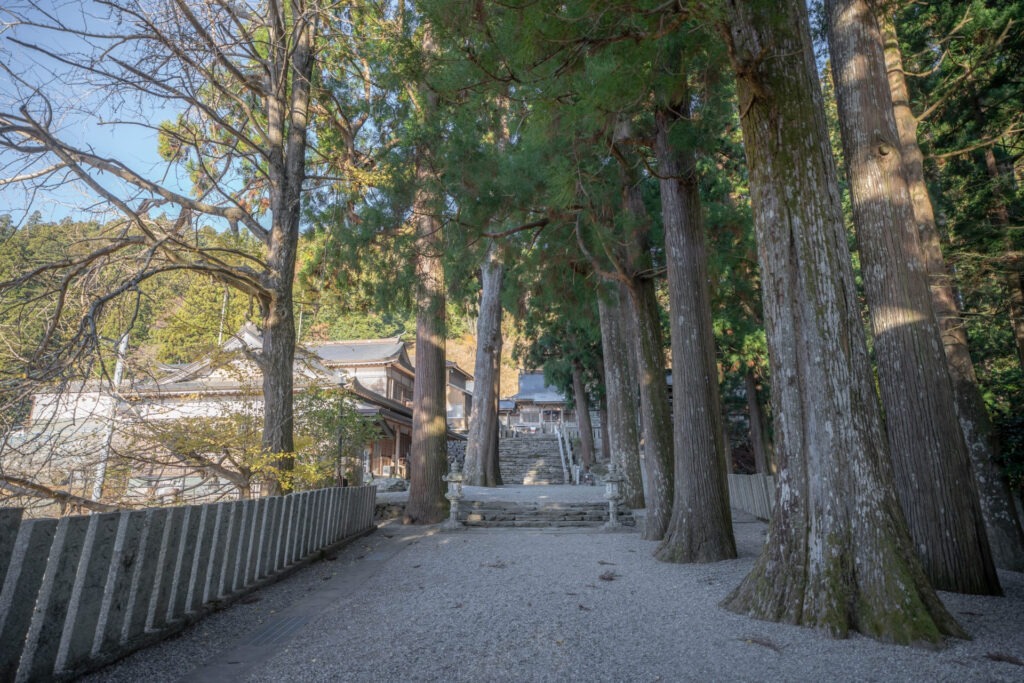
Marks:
<point>758,433</point>
<point>606,454</point>
<point>428,456</point>
<point>479,470</point>
<point>655,417</point>
<point>428,452</point>
<point>700,529</point>
<point>838,554</point>
<point>620,395</point>
<point>935,484</point>
<point>648,345</point>
<point>287,125</point>
<point>1001,521</point>
<point>582,401</point>
<point>1015,296</point>
<point>492,465</point>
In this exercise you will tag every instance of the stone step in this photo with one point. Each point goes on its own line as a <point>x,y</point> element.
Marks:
<point>508,514</point>
<point>474,513</point>
<point>530,460</point>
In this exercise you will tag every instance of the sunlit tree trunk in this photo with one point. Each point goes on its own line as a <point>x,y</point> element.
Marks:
<point>1001,521</point>
<point>700,529</point>
<point>838,554</point>
<point>428,454</point>
<point>287,124</point>
<point>934,480</point>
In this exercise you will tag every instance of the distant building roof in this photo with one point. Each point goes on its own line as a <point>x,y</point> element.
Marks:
<point>360,352</point>
<point>532,387</point>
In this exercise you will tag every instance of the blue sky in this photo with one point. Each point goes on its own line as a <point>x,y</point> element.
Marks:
<point>86,120</point>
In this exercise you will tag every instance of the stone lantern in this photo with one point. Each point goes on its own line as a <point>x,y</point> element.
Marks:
<point>612,495</point>
<point>454,495</point>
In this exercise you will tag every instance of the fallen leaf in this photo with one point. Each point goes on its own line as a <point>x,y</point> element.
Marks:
<point>584,608</point>
<point>763,642</point>
<point>605,562</point>
<point>608,576</point>
<point>1001,657</point>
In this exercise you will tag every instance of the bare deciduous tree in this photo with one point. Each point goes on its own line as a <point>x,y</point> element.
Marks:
<point>245,81</point>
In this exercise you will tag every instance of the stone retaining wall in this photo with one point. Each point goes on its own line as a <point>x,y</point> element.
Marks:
<point>79,592</point>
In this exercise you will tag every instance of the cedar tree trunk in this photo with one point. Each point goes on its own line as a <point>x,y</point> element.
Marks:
<point>582,400</point>
<point>1001,521</point>
<point>428,452</point>
<point>481,454</point>
<point>758,432</point>
<point>646,336</point>
<point>700,529</point>
<point>935,484</point>
<point>838,554</point>
<point>428,456</point>
<point>620,395</point>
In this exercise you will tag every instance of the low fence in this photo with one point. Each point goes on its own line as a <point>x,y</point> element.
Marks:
<point>79,592</point>
<point>753,493</point>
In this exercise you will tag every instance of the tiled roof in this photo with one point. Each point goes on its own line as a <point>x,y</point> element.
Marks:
<point>359,352</point>
<point>532,387</point>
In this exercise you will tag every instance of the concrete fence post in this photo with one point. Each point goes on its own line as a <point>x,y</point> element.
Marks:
<point>83,610</point>
<point>235,579</point>
<point>144,584</point>
<point>127,555</point>
<point>200,564</point>
<point>10,522</point>
<point>284,522</point>
<point>258,532</point>
<point>21,586</point>
<point>275,515</point>
<point>161,604</point>
<point>44,632</point>
<point>305,503</point>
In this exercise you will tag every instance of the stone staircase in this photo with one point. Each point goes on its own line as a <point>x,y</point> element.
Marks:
<point>530,459</point>
<point>475,513</point>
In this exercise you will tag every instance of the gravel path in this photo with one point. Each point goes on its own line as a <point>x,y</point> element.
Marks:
<point>417,604</point>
